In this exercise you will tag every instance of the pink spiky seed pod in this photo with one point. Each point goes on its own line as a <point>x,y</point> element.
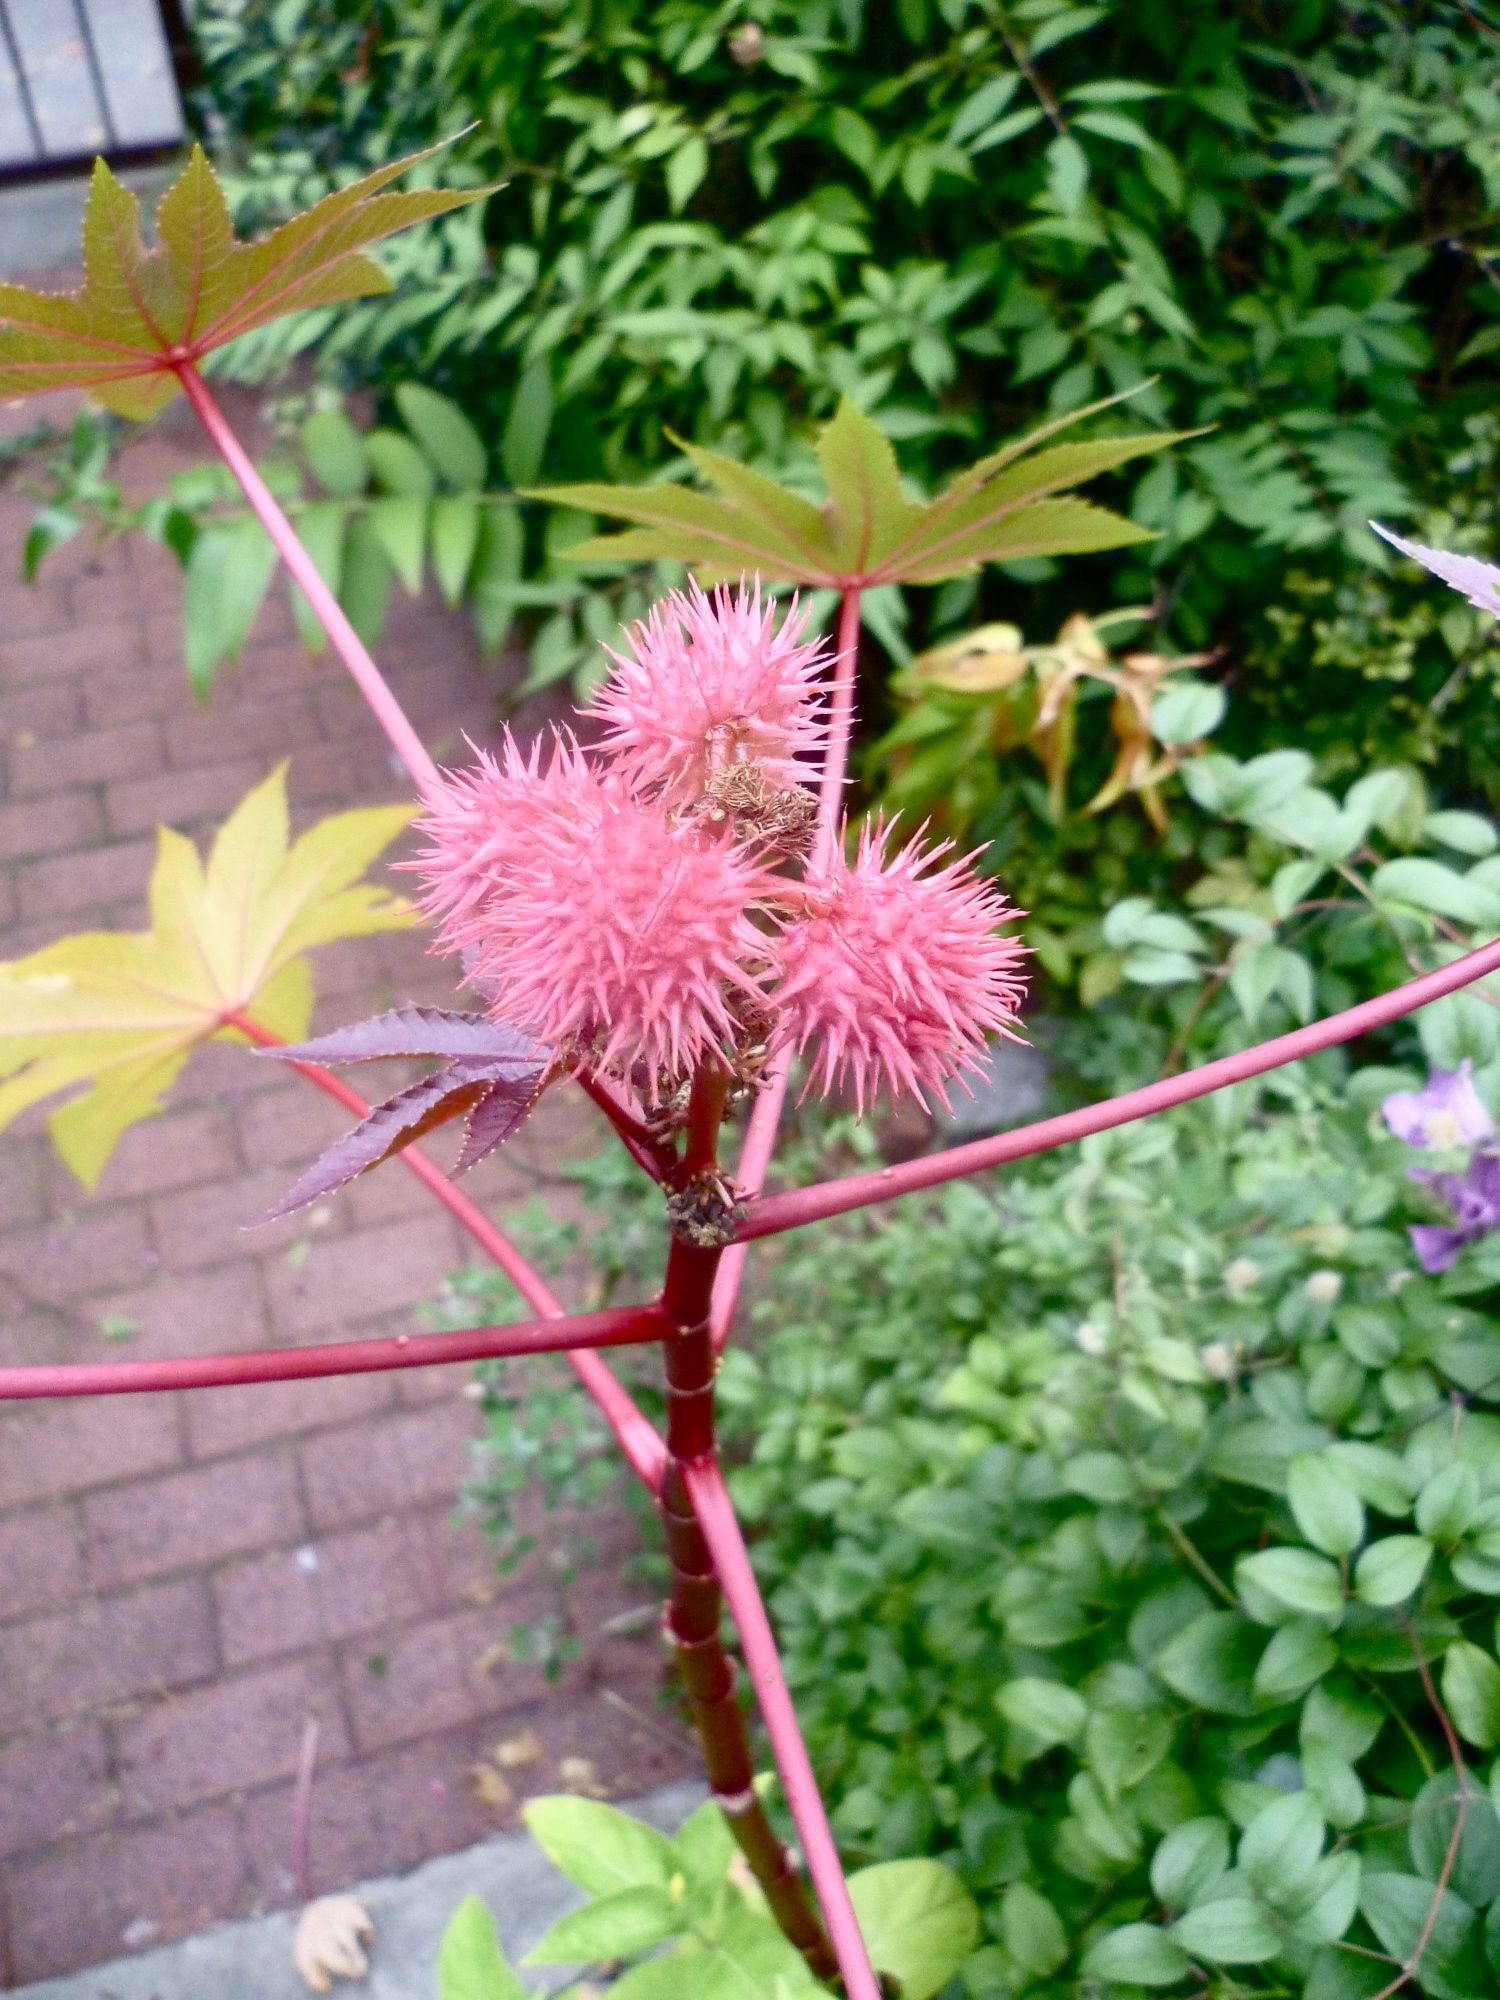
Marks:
<point>895,974</point>
<point>712,682</point>
<point>626,931</point>
<point>482,820</point>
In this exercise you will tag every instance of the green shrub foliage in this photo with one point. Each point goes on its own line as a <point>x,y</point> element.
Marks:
<point>717,220</point>
<point>1129,1522</point>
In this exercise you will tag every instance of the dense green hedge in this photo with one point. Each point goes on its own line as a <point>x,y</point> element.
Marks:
<point>715,218</point>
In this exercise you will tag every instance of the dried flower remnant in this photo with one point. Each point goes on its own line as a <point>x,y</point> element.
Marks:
<point>895,973</point>
<point>710,683</point>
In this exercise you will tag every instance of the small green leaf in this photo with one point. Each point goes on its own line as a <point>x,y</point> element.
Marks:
<point>1211,1662</point>
<point>1046,1710</point>
<point>1032,1930</point>
<point>471,1965</point>
<point>1429,1836</point>
<point>397,464</point>
<point>336,453</point>
<point>1403,1910</point>
<point>615,1926</point>
<point>527,426</point>
<point>320,529</point>
<point>228,574</point>
<point>400,524</point>
<point>1295,1579</point>
<point>1191,1858</point>
<point>1324,1503</point>
<point>1389,1571</point>
<point>599,1848</point>
<point>445,434</point>
<point>1137,1955</point>
<point>365,589</point>
<point>918,1920</point>
<point>1297,1657</point>
<point>1281,1846</point>
<point>456,520</point>
<point>1471,1692</point>
<point>1236,1931</point>
<point>686,169</point>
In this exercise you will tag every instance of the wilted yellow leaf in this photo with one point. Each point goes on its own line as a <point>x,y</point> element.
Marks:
<point>984,661</point>
<point>120,1012</point>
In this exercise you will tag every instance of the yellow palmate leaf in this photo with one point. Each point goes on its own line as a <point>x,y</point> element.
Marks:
<point>120,1013</point>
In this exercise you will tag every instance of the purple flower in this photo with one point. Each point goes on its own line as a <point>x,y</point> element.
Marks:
<point>1446,1114</point>
<point>1474,1199</point>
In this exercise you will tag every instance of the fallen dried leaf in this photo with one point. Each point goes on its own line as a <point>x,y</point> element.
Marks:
<point>487,1785</point>
<point>329,1941</point>
<point>512,1753</point>
<point>493,1658</point>
<point>579,1775</point>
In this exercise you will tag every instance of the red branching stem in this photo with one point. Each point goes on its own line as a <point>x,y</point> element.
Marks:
<point>778,1212</point>
<point>721,1531</point>
<point>652,1155</point>
<point>326,608</point>
<point>765,1118</point>
<point>633,1430</point>
<point>621,1326</point>
<point>694,1612</point>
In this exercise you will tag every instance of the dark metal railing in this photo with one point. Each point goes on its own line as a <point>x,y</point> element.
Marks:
<point>80,77</point>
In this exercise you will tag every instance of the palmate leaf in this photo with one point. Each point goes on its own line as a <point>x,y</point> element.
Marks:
<point>142,312</point>
<point>492,1074</point>
<point>868,531</point>
<point>119,1013</point>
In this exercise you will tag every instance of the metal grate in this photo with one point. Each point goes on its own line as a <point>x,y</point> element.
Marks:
<point>79,77</point>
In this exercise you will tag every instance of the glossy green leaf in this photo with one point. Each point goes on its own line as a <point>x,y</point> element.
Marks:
<point>1471,1693</point>
<point>1137,1955</point>
<point>399,521</point>
<point>1236,1931</point>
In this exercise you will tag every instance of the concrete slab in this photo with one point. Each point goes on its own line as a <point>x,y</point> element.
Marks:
<point>253,1960</point>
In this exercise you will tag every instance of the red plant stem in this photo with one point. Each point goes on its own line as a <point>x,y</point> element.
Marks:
<point>621,1326</point>
<point>326,608</point>
<point>694,1612</point>
<point>652,1155</point>
<point>765,1118</point>
<point>721,1532</point>
<point>633,1430</point>
<point>778,1212</point>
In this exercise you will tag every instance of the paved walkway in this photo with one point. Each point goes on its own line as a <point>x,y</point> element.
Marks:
<point>185,1579</point>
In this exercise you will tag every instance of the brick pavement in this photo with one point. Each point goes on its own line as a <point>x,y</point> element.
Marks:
<point>185,1579</point>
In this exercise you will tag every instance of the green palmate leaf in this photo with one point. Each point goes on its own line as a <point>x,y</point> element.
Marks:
<point>142,311</point>
<point>471,1965</point>
<point>868,531</point>
<point>116,1015</point>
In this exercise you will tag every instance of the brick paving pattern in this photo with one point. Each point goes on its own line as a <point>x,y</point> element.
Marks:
<point>185,1580</point>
